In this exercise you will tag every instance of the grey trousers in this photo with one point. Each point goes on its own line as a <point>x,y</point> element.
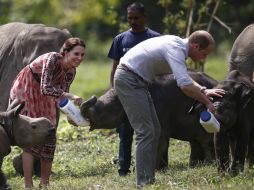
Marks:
<point>138,105</point>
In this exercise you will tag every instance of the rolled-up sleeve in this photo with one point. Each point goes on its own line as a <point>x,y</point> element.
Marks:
<point>176,60</point>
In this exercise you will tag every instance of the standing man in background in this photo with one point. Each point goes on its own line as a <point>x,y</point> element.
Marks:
<point>120,45</point>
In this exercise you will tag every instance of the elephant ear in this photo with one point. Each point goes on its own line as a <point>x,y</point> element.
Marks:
<point>245,95</point>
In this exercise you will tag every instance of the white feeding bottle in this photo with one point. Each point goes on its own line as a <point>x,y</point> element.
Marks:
<point>69,108</point>
<point>209,122</point>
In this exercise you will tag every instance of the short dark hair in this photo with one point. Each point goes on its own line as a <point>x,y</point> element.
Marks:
<point>70,43</point>
<point>202,38</point>
<point>137,6</point>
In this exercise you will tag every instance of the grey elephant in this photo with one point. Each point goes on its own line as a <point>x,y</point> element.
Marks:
<point>242,53</point>
<point>235,113</point>
<point>172,108</point>
<point>20,44</point>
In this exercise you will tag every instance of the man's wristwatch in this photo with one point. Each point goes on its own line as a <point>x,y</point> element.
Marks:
<point>202,89</point>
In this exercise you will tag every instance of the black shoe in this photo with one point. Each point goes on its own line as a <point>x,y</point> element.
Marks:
<point>123,172</point>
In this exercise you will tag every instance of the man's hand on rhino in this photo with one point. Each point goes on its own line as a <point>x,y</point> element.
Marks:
<point>214,92</point>
<point>211,107</point>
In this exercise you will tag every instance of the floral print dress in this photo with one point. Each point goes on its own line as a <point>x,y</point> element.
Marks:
<point>40,84</point>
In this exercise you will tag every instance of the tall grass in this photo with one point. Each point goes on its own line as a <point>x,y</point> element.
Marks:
<point>84,159</point>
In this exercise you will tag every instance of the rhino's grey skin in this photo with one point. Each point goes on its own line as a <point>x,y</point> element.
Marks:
<point>20,44</point>
<point>235,112</point>
<point>172,108</point>
<point>21,131</point>
<point>242,53</point>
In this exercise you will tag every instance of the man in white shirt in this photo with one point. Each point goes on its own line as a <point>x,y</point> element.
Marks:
<point>137,68</point>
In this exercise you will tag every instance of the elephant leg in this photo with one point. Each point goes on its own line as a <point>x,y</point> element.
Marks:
<point>196,155</point>
<point>239,156</point>
<point>162,154</point>
<point>250,154</point>
<point>222,151</point>
<point>209,152</point>
<point>164,160</point>
<point>18,166</point>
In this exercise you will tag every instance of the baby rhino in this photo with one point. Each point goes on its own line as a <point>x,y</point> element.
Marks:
<point>21,131</point>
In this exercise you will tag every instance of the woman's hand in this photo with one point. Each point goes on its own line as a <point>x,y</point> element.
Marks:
<point>70,121</point>
<point>76,99</point>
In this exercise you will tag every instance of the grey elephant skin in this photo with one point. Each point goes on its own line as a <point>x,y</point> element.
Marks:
<point>22,131</point>
<point>172,108</point>
<point>242,53</point>
<point>20,44</point>
<point>235,113</point>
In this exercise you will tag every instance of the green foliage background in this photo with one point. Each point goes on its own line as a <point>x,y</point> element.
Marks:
<point>99,21</point>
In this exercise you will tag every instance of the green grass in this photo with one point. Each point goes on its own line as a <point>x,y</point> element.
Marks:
<point>87,164</point>
<point>216,68</point>
<point>91,79</point>
<point>83,159</point>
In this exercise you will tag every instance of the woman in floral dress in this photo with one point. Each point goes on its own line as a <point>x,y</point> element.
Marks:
<point>42,84</point>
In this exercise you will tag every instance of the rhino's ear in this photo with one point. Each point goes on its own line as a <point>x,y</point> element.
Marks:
<point>18,108</point>
<point>245,97</point>
<point>233,75</point>
<point>13,104</point>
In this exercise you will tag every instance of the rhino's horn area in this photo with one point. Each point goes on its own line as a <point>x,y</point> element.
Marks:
<point>87,104</point>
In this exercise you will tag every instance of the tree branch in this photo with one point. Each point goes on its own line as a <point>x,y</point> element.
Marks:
<point>191,7</point>
<point>213,14</point>
<point>222,24</point>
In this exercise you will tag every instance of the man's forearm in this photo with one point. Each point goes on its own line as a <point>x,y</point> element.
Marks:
<point>194,91</point>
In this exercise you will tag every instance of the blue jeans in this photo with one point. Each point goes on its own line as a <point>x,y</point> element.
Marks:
<point>124,155</point>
